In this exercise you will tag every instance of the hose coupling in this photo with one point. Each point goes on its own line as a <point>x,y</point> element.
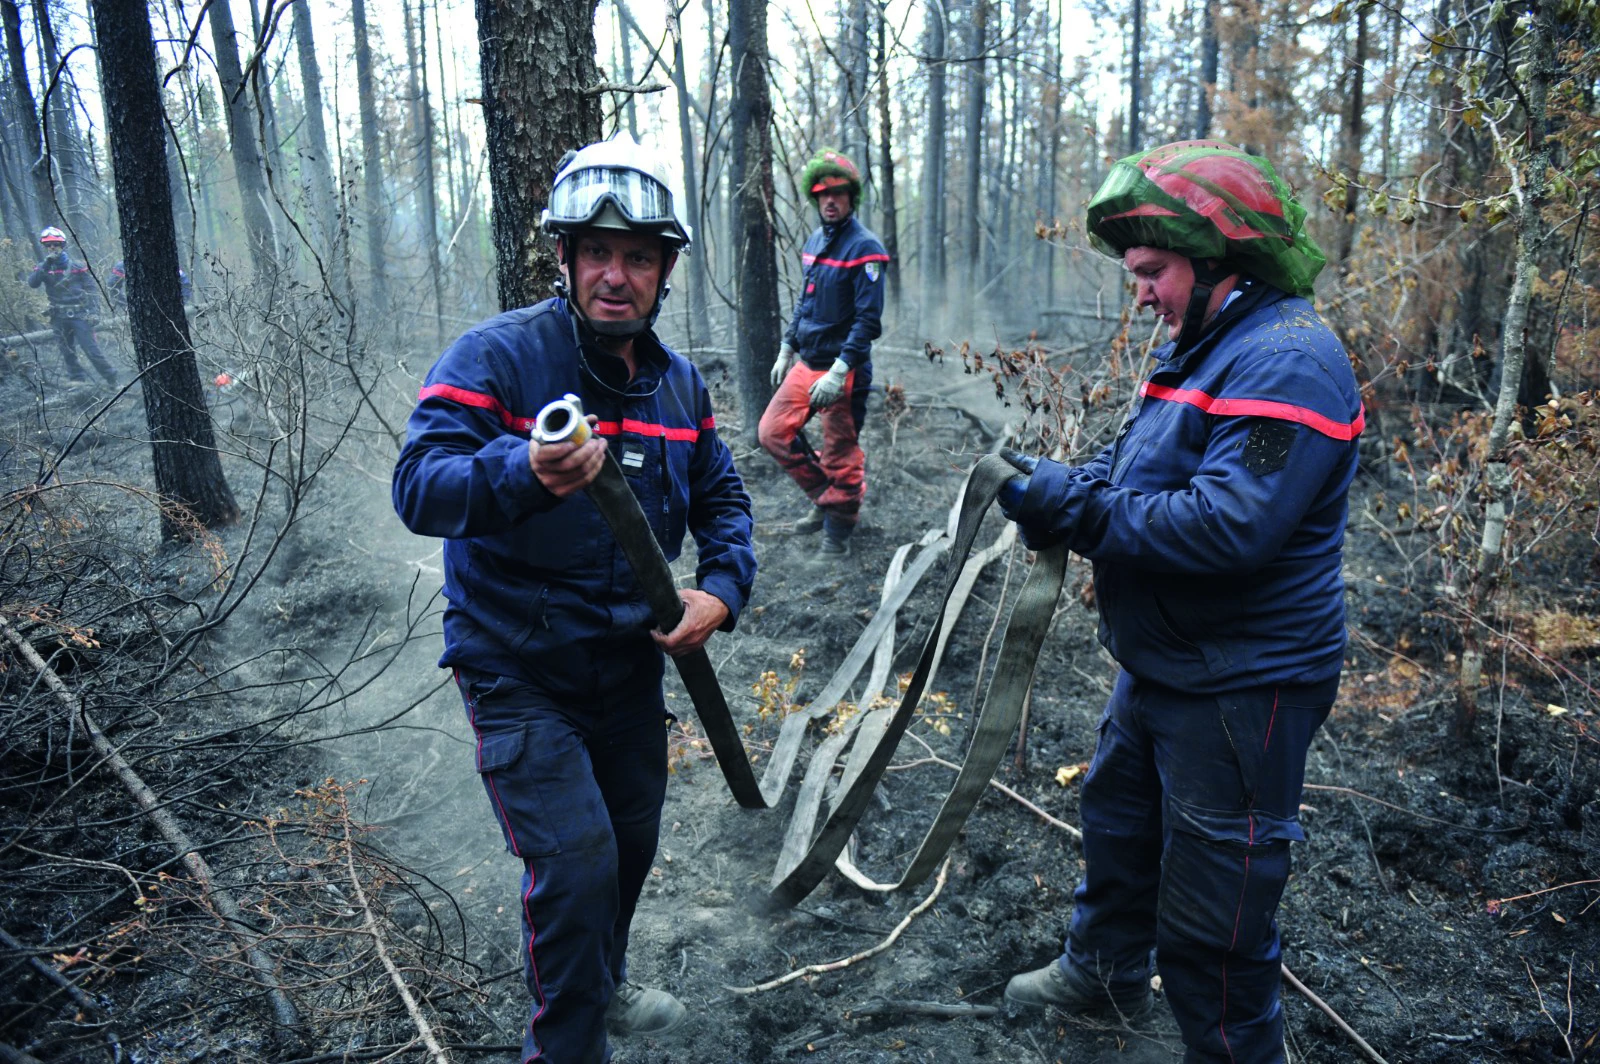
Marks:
<point>561,421</point>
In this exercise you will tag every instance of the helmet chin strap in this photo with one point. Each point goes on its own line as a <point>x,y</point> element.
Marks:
<point>1206,279</point>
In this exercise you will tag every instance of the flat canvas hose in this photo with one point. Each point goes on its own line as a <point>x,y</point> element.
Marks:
<point>801,867</point>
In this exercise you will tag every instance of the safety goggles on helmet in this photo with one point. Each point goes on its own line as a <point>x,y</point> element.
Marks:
<point>52,235</point>
<point>580,196</point>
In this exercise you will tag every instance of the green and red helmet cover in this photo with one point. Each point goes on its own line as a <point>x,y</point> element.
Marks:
<point>1207,200</point>
<point>830,169</point>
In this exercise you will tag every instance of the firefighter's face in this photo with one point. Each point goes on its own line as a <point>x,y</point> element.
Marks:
<point>1163,281</point>
<point>615,274</point>
<point>834,204</point>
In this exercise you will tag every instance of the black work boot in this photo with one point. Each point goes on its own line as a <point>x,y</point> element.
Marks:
<point>1077,992</point>
<point>835,538</point>
<point>639,1010</point>
<point>811,522</point>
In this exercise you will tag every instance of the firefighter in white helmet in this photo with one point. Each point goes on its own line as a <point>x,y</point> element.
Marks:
<point>72,297</point>
<point>550,638</point>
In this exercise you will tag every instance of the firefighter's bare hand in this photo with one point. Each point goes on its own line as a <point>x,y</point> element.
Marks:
<point>703,613</point>
<point>565,468</point>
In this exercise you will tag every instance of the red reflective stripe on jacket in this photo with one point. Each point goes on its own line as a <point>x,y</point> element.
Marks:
<point>645,428</point>
<point>809,259</point>
<point>479,400</point>
<point>1338,430</point>
<point>525,424</point>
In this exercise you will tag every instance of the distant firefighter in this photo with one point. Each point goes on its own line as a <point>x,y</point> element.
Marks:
<point>118,286</point>
<point>72,296</point>
<point>824,368</point>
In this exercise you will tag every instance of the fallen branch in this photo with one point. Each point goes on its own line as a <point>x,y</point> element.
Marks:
<point>1338,1021</point>
<point>834,966</point>
<point>10,1054</point>
<point>885,1006</point>
<point>371,927</point>
<point>935,759</point>
<point>1350,792</point>
<point>284,1011</point>
<point>67,986</point>
<point>1494,905</point>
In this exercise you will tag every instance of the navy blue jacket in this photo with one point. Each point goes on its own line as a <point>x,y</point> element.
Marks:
<point>1216,519</point>
<point>537,587</point>
<point>840,309</point>
<point>67,284</point>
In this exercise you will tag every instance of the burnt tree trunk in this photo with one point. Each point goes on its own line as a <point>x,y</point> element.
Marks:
<point>242,139</point>
<point>188,470</point>
<point>371,158</point>
<point>422,130</point>
<point>1136,79</point>
<point>316,167</point>
<point>1352,129</point>
<point>538,60</point>
<point>977,92</point>
<point>890,226</point>
<point>61,142</point>
<point>760,328</point>
<point>932,243</point>
<point>44,205</point>
<point>699,268</point>
<point>1209,49</point>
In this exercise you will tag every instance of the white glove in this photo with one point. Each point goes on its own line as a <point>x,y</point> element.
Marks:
<point>827,389</point>
<point>780,368</point>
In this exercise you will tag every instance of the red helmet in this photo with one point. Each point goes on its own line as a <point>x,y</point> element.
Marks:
<point>51,235</point>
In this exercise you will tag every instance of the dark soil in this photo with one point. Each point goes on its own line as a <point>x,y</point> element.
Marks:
<point>1413,833</point>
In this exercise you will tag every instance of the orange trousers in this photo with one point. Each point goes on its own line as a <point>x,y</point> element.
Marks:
<point>835,479</point>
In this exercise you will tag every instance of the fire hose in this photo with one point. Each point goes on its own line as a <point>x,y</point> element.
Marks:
<point>805,860</point>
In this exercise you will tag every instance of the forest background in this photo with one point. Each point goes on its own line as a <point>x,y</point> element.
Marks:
<point>350,185</point>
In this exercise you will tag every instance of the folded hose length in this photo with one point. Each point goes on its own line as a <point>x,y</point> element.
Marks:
<point>799,873</point>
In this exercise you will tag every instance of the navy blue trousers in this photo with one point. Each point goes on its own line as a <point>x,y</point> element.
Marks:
<point>578,792</point>
<point>78,332</point>
<point>1187,812</point>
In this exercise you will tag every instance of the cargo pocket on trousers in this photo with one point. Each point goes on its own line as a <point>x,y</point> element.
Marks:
<point>514,796</point>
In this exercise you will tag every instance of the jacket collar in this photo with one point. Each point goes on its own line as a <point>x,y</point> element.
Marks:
<point>1252,294</point>
<point>609,371</point>
<point>838,229</point>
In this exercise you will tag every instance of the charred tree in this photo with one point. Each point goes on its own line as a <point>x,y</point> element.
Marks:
<point>422,130</point>
<point>889,228</point>
<point>760,328</point>
<point>316,168</point>
<point>1352,129</point>
<point>973,108</point>
<point>1209,54</point>
<point>853,137</point>
<point>261,87</point>
<point>371,156</point>
<point>932,244</point>
<point>538,61</point>
<point>188,470</point>
<point>242,140</point>
<point>699,268</point>
<point>1136,79</point>
<point>64,155</point>
<point>44,201</point>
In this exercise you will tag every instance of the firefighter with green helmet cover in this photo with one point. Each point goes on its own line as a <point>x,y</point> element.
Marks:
<point>1215,522</point>
<point>824,367</point>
